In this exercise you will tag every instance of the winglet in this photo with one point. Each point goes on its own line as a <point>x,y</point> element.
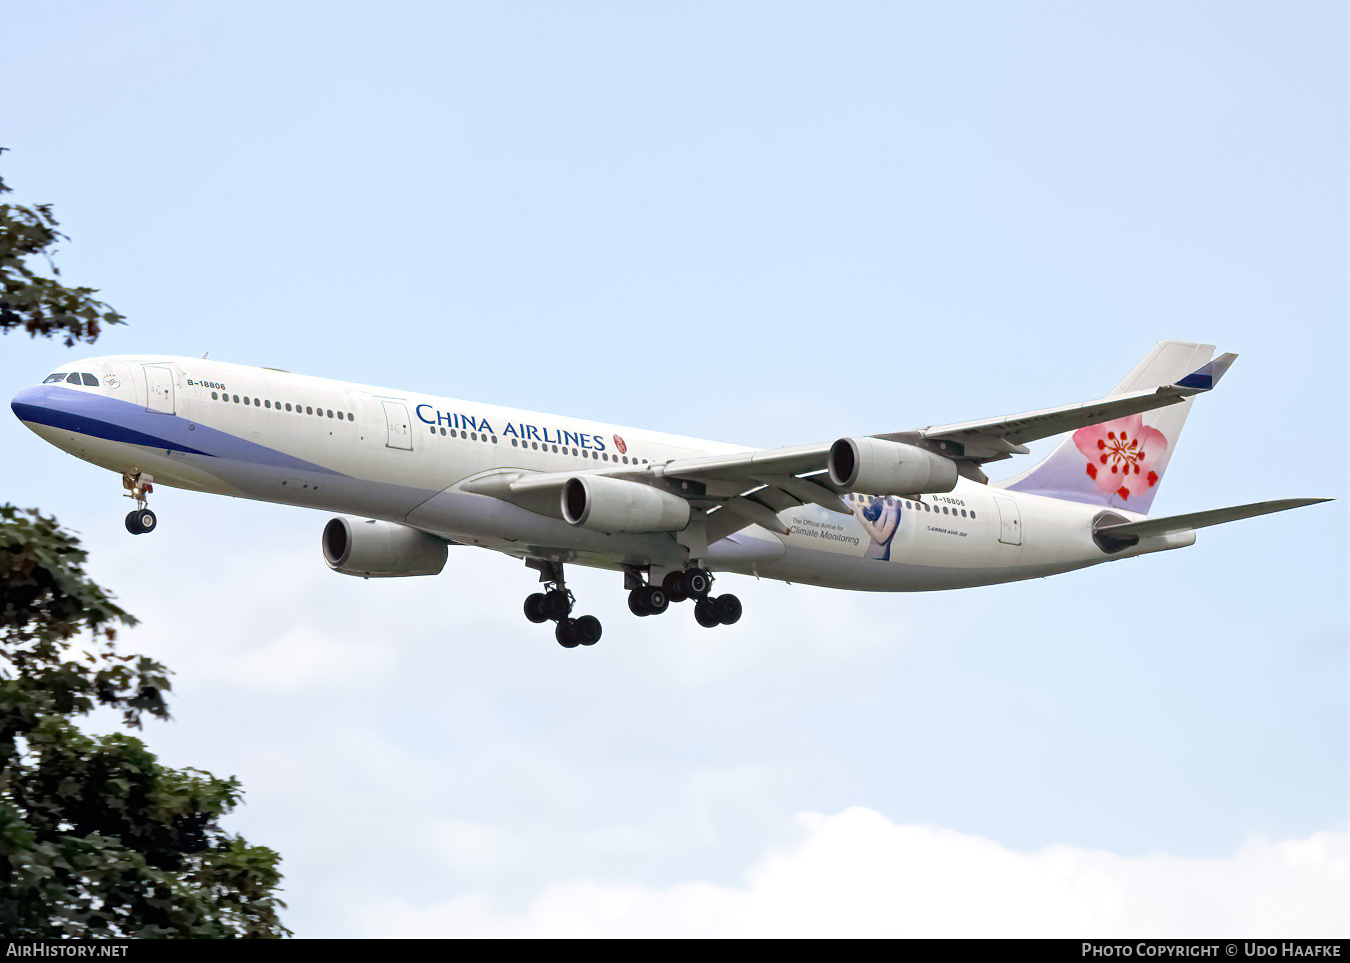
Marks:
<point>1206,377</point>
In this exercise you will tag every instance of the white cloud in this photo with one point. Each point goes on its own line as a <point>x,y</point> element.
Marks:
<point>858,874</point>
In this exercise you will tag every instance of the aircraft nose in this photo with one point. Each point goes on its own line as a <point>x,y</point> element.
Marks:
<point>29,403</point>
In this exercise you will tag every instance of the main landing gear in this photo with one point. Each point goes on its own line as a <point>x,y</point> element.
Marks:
<point>692,583</point>
<point>138,485</point>
<point>555,603</point>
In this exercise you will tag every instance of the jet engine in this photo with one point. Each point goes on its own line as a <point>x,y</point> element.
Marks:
<point>374,549</point>
<point>613,505</point>
<point>872,466</point>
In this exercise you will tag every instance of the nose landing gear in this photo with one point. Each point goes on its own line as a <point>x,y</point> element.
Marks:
<point>138,485</point>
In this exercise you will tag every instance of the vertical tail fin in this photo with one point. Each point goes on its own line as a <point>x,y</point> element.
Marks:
<point>1120,463</point>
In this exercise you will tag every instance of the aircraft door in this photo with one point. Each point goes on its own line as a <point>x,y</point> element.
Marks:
<point>400,430</point>
<point>159,385</point>
<point>1009,521</point>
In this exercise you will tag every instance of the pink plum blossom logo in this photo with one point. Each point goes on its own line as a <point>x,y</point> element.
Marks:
<point>1123,456</point>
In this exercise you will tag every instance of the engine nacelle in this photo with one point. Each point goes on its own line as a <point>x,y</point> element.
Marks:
<point>613,505</point>
<point>872,466</point>
<point>374,549</point>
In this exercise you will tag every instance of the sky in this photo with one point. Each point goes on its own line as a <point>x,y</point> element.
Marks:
<point>766,224</point>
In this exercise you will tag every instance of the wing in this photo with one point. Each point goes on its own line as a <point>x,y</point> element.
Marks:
<point>997,438</point>
<point>730,492</point>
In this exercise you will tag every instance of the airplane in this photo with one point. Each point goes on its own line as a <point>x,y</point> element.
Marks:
<point>893,512</point>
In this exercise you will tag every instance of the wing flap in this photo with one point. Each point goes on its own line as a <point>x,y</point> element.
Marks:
<point>747,511</point>
<point>805,490</point>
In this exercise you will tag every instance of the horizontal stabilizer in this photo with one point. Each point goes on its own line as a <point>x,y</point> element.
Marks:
<point>1189,523</point>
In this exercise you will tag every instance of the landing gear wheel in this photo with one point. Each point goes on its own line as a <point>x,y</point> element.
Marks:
<point>673,588</point>
<point>587,630</point>
<point>705,613</point>
<point>557,605</point>
<point>534,608</point>
<point>694,583</point>
<point>727,608</point>
<point>655,600</point>
<point>566,633</point>
<point>648,600</point>
<point>140,521</point>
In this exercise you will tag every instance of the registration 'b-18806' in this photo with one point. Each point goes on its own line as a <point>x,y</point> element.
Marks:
<point>893,512</point>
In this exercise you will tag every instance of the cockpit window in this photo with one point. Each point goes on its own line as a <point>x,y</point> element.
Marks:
<point>74,377</point>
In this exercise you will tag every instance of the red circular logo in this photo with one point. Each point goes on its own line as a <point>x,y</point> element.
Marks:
<point>618,443</point>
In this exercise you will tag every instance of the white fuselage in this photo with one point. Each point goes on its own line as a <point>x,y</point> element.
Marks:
<point>406,458</point>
